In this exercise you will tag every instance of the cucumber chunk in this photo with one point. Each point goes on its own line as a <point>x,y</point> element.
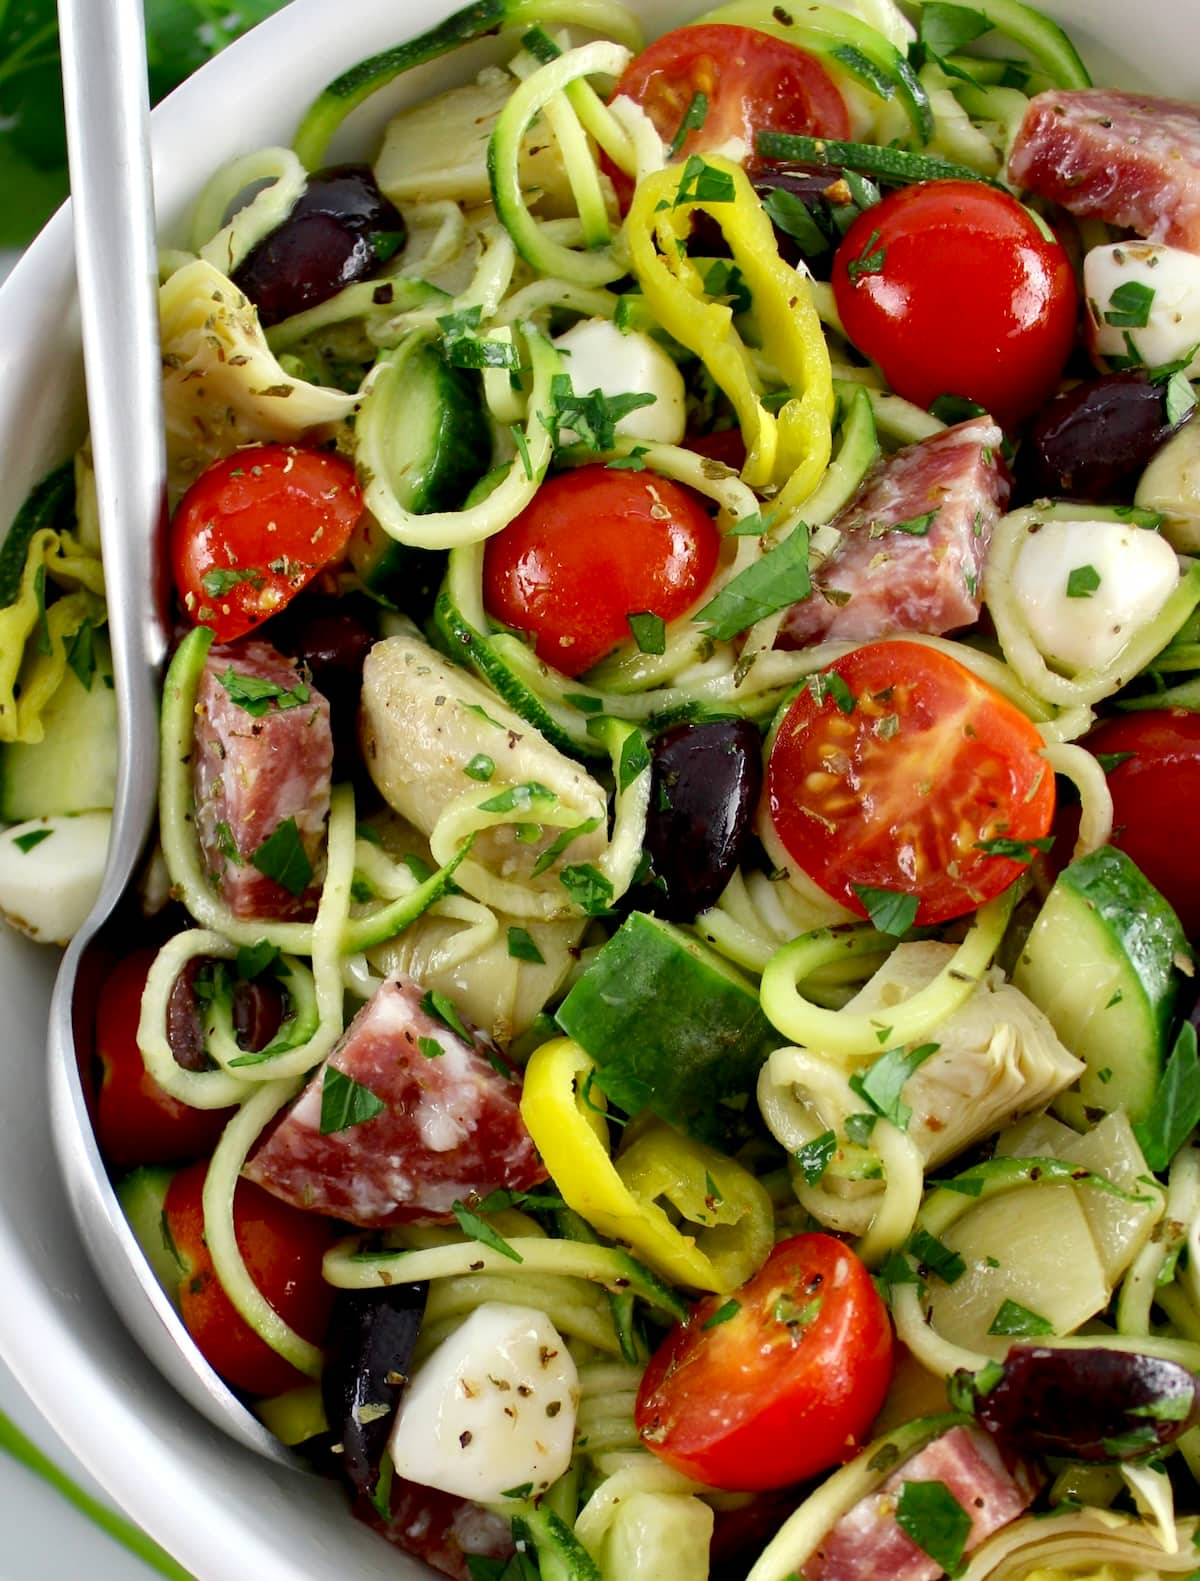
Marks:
<point>672,1026</point>
<point>1104,962</point>
<point>438,445</point>
<point>142,1195</point>
<point>74,767</point>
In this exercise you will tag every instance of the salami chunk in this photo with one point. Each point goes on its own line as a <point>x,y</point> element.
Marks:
<point>914,541</point>
<point>439,1528</point>
<point>450,1128</point>
<point>1127,158</point>
<point>868,1541</point>
<point>263,756</point>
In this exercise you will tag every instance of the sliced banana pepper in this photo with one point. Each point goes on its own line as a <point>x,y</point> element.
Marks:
<point>789,451</point>
<point>729,1210</point>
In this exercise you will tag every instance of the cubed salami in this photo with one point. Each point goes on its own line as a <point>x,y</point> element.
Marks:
<point>868,1542</point>
<point>450,1128</point>
<point>439,1528</point>
<point>1127,158</point>
<point>261,773</point>
<point>914,541</point>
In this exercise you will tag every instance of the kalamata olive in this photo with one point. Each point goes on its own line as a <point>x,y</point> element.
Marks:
<point>332,637</point>
<point>1093,442</point>
<point>340,230</point>
<point>1087,1404</point>
<point>705,783</point>
<point>370,1346</point>
<point>258,1007</point>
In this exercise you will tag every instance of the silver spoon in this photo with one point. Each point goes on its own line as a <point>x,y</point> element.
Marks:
<point>108,133</point>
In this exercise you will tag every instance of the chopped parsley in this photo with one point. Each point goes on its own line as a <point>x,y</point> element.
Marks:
<point>649,631</point>
<point>588,888</point>
<point>1018,850</point>
<point>869,261</point>
<point>633,462</point>
<point>829,684</point>
<point>522,444</point>
<point>882,1083</point>
<point>703,183</point>
<point>693,120</point>
<point>1129,305</point>
<point>889,911</point>
<point>814,1157</point>
<point>723,1314</point>
<point>479,1230</point>
<point>221,580</point>
<point>634,759</point>
<point>81,655</point>
<point>930,1515</point>
<point>792,216</point>
<point>859,1127</point>
<point>254,695</point>
<point>780,578</point>
<point>282,857</point>
<point>256,960</point>
<point>1175,1110</point>
<point>31,839</point>
<point>914,526</point>
<point>1013,1319</point>
<point>1082,581</point>
<point>346,1102</point>
<point>481,767</point>
<point>938,1259</point>
<point>430,1048</point>
<point>517,798</point>
<point>1180,397</point>
<point>444,1010</point>
<point>560,843</point>
<point>522,947</point>
<point>593,417</point>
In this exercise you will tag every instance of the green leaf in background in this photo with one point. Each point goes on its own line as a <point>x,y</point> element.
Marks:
<point>180,36</point>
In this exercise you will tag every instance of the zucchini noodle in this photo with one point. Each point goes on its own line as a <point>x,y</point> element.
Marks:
<point>226,246</point>
<point>1090,780</point>
<point>847,1037</point>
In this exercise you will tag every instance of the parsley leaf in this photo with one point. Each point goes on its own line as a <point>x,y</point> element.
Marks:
<point>33,837</point>
<point>631,463</point>
<point>254,695</point>
<point>889,911</point>
<point>649,631</point>
<point>481,767</point>
<point>703,183</point>
<point>522,947</point>
<point>1175,1110</point>
<point>479,1230</point>
<point>792,216</point>
<point>588,889</point>
<point>223,579</point>
<point>1018,850</point>
<point>829,684</point>
<point>517,798</point>
<point>929,1514</point>
<point>592,418</point>
<point>869,261</point>
<point>780,578</point>
<point>1180,397</point>
<point>1082,581</point>
<point>282,857</point>
<point>1012,1318</point>
<point>1129,305</point>
<point>560,843</point>
<point>635,756</point>
<point>522,444</point>
<point>693,120</point>
<point>945,29</point>
<point>345,1102</point>
<point>444,1010</point>
<point>882,1083</point>
<point>81,655</point>
<point>858,1128</point>
<point>723,1314</point>
<point>813,1158</point>
<point>938,1259</point>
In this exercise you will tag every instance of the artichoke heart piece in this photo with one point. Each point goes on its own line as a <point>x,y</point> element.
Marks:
<point>997,1058</point>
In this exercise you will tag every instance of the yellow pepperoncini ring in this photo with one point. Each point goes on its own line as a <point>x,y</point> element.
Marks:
<point>789,451</point>
<point>732,1213</point>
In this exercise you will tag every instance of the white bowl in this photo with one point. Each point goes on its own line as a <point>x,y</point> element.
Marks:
<point>223,1512</point>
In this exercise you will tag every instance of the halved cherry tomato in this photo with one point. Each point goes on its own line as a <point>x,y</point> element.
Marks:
<point>896,769</point>
<point>777,1383</point>
<point>255,528</point>
<point>136,1121</point>
<point>752,82</point>
<point>594,547</point>
<point>1156,777</point>
<point>282,1249</point>
<point>954,289</point>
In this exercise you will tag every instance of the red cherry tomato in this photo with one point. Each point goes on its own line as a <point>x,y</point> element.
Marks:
<point>896,770</point>
<point>953,289</point>
<point>594,547</point>
<point>282,1249</point>
<point>1150,788</point>
<point>136,1121</point>
<point>255,528</point>
<point>783,1388</point>
<point>752,81</point>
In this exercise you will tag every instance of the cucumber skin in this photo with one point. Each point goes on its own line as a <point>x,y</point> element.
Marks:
<point>74,767</point>
<point>142,1195</point>
<point>661,1043</point>
<point>1125,901</point>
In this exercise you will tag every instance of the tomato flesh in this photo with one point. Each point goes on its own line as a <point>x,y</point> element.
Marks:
<point>753,82</point>
<point>595,546</point>
<point>282,1249</point>
<point>255,528</point>
<point>952,287</point>
<point>136,1121</point>
<point>778,1383</point>
<point>895,773</point>
<point>1150,790</point>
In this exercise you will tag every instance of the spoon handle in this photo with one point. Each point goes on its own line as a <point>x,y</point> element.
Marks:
<point>108,135</point>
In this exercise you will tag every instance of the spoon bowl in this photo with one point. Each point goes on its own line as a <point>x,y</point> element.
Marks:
<point>104,79</point>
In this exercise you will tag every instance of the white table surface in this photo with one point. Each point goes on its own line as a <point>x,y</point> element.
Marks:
<point>44,1538</point>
